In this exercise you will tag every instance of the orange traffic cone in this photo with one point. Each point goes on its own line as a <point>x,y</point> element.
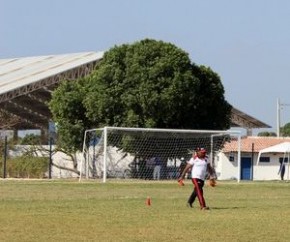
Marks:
<point>148,201</point>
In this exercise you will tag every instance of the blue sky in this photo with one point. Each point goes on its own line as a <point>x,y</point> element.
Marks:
<point>246,42</point>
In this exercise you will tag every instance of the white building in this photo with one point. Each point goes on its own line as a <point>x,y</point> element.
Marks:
<point>259,159</point>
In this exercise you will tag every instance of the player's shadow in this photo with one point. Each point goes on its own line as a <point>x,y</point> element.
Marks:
<point>222,208</point>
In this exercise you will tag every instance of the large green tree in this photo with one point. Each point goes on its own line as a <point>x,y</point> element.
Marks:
<point>69,113</point>
<point>145,84</point>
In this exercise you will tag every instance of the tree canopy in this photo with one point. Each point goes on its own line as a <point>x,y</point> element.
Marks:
<point>267,134</point>
<point>145,84</point>
<point>285,130</point>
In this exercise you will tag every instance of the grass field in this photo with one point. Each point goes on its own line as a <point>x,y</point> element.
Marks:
<point>92,211</point>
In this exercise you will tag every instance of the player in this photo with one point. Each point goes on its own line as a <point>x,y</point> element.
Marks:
<point>199,168</point>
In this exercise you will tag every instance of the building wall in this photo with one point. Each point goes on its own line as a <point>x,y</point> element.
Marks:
<point>64,160</point>
<point>269,170</point>
<point>58,158</point>
<point>228,170</point>
<point>226,164</point>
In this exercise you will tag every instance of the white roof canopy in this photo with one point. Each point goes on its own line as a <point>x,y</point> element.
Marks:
<point>279,148</point>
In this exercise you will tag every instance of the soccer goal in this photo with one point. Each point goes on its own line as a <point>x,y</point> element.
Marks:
<point>145,153</point>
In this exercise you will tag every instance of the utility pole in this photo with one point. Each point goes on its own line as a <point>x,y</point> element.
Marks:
<point>278,117</point>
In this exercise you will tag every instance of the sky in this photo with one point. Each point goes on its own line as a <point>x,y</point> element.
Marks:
<point>247,43</point>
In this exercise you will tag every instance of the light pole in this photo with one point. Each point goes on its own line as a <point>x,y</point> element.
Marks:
<point>279,107</point>
<point>278,117</point>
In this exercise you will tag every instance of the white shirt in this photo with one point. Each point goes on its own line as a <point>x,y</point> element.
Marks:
<point>199,168</point>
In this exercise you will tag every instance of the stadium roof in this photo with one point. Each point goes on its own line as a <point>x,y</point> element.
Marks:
<point>26,85</point>
<point>241,119</point>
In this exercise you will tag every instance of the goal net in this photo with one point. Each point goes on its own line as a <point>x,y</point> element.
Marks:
<point>143,153</point>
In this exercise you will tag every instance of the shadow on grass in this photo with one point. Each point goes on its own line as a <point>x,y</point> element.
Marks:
<point>222,208</point>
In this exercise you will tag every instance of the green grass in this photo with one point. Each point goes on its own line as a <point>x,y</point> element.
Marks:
<point>93,211</point>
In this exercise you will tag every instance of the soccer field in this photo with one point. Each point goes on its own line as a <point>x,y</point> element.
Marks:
<point>92,211</point>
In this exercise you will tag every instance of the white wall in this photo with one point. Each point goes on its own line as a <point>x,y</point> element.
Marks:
<point>58,158</point>
<point>228,170</point>
<point>117,162</point>
<point>63,160</point>
<point>268,170</point>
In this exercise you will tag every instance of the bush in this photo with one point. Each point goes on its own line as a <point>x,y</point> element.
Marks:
<point>25,167</point>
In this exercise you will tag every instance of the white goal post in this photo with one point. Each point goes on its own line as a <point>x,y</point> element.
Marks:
<point>146,153</point>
